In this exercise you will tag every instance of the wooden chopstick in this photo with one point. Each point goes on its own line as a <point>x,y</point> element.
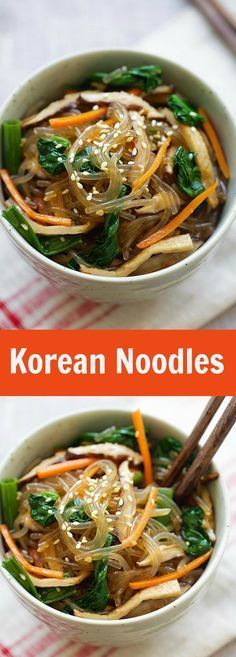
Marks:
<point>220,19</point>
<point>205,455</point>
<point>193,440</point>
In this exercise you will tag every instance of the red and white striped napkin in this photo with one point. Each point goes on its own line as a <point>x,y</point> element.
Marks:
<point>205,629</point>
<point>29,301</point>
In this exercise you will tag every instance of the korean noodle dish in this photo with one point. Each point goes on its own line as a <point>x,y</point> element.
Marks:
<point>120,176</point>
<point>93,532</point>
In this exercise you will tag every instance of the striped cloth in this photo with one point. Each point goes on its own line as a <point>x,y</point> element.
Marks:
<point>29,301</point>
<point>205,629</point>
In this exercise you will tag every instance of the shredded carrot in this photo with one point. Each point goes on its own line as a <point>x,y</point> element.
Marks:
<point>143,520</point>
<point>77,119</point>
<point>65,466</point>
<point>143,445</point>
<point>212,136</point>
<point>44,572</point>
<point>41,218</point>
<point>179,219</point>
<point>136,91</point>
<point>154,166</point>
<point>176,574</point>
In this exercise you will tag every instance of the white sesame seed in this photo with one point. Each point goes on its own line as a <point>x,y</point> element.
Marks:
<point>134,151</point>
<point>95,107</point>
<point>65,191</point>
<point>100,213</point>
<point>75,211</point>
<point>144,145</point>
<point>72,176</point>
<point>88,559</point>
<point>79,185</point>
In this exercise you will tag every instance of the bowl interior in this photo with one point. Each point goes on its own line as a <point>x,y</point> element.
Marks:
<point>52,81</point>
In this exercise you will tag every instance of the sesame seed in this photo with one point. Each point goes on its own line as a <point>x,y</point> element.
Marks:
<point>80,142</point>
<point>75,209</point>
<point>117,125</point>
<point>67,559</point>
<point>100,213</point>
<point>22,576</point>
<point>78,545</point>
<point>65,191</point>
<point>134,151</point>
<point>129,139</point>
<point>169,133</point>
<point>88,559</point>
<point>84,539</point>
<point>24,226</point>
<point>144,145</point>
<point>95,107</point>
<point>79,185</point>
<point>64,524</point>
<point>70,534</point>
<point>72,176</point>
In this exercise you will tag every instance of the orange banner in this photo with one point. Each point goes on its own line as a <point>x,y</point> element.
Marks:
<point>102,363</point>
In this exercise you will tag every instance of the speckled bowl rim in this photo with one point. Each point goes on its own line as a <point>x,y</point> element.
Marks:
<point>163,274</point>
<point>160,613</point>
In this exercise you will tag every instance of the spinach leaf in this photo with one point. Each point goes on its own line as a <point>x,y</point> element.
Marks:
<point>193,532</point>
<point>42,507</point>
<point>167,447</point>
<point>107,247</point>
<point>192,517</point>
<point>52,154</point>
<point>123,436</point>
<point>183,111</point>
<point>48,246</point>
<point>197,541</point>
<point>22,226</point>
<point>188,174</point>
<point>83,161</point>
<point>19,573</point>
<point>59,244</point>
<point>144,77</point>
<point>74,511</point>
<point>55,594</point>
<point>97,595</point>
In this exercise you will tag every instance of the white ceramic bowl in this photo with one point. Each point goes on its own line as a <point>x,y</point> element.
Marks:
<point>122,632</point>
<point>48,83</point>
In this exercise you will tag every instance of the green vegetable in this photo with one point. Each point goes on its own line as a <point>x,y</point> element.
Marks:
<point>55,594</point>
<point>11,138</point>
<point>167,493</point>
<point>22,226</point>
<point>167,447</point>
<point>183,111</point>
<point>137,477</point>
<point>97,595</point>
<point>193,532</point>
<point>9,502</point>
<point>42,507</point>
<point>48,246</point>
<point>188,174</point>
<point>123,436</point>
<point>47,595</point>
<point>107,247</point>
<point>59,244</point>
<point>192,517</point>
<point>83,161</point>
<point>19,573</point>
<point>144,77</point>
<point>74,511</point>
<point>52,154</point>
<point>198,542</point>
